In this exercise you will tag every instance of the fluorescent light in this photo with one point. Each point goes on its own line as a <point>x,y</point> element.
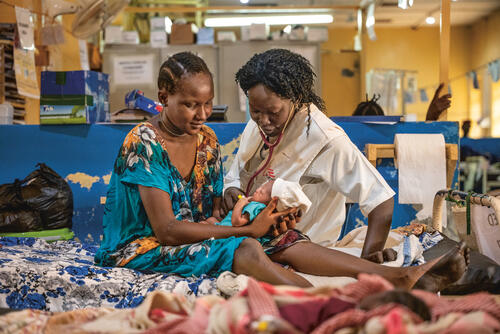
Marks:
<point>430,20</point>
<point>244,1</point>
<point>271,20</point>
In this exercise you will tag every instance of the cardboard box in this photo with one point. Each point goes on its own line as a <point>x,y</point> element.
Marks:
<point>205,36</point>
<point>181,34</point>
<point>259,31</point>
<point>74,97</point>
<point>317,34</point>
<point>245,33</point>
<point>76,109</point>
<point>226,36</point>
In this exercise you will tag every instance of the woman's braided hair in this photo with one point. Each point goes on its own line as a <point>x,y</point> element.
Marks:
<point>369,107</point>
<point>287,74</point>
<point>178,65</point>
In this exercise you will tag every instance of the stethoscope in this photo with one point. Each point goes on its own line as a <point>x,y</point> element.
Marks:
<point>271,147</point>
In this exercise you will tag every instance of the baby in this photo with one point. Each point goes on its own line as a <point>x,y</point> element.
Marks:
<point>289,195</point>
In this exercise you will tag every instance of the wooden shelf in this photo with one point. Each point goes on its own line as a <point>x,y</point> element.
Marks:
<point>17,105</point>
<point>7,87</point>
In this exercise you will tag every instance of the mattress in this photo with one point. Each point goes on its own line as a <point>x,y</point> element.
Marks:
<point>61,276</point>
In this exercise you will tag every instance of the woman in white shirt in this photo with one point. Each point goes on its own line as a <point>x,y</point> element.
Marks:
<point>288,123</point>
<point>290,138</point>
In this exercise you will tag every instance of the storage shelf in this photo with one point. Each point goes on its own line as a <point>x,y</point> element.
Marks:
<point>8,88</point>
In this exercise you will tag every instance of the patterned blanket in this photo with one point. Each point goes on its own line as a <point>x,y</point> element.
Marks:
<point>61,276</point>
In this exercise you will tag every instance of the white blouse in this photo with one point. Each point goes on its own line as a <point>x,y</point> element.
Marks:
<point>328,166</point>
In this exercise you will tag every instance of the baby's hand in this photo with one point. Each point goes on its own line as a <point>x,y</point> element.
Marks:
<point>244,200</point>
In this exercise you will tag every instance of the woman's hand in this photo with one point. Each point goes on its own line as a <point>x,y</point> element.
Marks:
<point>267,219</point>
<point>229,199</point>
<point>287,222</point>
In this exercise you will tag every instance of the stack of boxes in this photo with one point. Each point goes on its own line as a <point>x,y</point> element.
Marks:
<point>74,97</point>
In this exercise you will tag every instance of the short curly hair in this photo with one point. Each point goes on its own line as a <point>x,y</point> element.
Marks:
<point>287,74</point>
<point>178,65</point>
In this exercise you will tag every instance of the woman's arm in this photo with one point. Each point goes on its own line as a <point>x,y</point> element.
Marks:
<point>379,224</point>
<point>170,231</point>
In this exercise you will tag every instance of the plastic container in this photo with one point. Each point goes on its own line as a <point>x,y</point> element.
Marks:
<point>6,113</point>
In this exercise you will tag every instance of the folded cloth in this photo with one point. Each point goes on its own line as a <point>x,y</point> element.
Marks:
<point>230,283</point>
<point>290,195</point>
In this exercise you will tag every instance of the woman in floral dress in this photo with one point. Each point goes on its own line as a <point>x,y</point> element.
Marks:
<point>166,179</point>
<point>167,182</point>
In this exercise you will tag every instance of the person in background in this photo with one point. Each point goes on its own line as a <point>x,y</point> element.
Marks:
<point>436,107</point>
<point>466,128</point>
<point>438,104</point>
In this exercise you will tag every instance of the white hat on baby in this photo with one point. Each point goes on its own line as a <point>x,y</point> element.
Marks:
<point>290,195</point>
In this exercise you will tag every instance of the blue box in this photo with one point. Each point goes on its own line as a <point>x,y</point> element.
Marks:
<point>61,91</point>
<point>205,36</point>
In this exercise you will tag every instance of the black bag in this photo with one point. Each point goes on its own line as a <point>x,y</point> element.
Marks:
<point>20,221</point>
<point>43,192</point>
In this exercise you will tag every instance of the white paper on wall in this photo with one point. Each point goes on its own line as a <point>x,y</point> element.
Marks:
<point>25,28</point>
<point>133,70</point>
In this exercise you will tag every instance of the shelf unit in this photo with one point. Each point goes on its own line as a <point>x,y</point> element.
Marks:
<point>8,87</point>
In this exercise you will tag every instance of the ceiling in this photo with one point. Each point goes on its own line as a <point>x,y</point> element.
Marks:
<point>387,12</point>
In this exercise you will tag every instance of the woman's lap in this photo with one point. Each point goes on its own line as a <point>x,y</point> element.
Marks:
<point>210,257</point>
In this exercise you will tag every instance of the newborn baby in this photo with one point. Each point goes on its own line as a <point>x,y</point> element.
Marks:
<point>289,195</point>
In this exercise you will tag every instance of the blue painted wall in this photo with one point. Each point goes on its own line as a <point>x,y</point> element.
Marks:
<point>84,155</point>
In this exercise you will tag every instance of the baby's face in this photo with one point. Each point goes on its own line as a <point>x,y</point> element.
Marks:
<point>263,193</point>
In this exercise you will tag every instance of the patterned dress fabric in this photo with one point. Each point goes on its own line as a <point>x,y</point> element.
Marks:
<point>61,276</point>
<point>128,238</point>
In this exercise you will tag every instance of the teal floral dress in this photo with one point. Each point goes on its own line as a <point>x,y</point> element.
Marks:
<point>128,238</point>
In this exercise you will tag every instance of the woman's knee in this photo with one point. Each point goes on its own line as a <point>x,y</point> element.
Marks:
<point>249,252</point>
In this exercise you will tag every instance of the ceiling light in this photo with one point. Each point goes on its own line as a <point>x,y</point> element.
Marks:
<point>271,20</point>
<point>244,1</point>
<point>430,20</point>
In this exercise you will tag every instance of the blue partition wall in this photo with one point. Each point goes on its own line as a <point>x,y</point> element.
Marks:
<point>84,156</point>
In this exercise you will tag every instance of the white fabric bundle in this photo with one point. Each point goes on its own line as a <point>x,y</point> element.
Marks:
<point>290,195</point>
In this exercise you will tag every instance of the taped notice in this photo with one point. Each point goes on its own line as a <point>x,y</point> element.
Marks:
<point>133,70</point>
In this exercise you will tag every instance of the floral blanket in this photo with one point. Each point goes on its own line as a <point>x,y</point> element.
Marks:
<point>61,276</point>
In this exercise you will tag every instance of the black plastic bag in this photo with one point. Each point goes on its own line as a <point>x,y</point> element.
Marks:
<point>10,196</point>
<point>20,221</point>
<point>43,200</point>
<point>50,195</point>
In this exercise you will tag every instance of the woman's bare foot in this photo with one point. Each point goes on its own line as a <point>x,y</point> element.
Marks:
<point>436,274</point>
<point>444,274</point>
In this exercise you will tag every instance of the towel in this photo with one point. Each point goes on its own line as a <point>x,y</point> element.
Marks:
<point>290,195</point>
